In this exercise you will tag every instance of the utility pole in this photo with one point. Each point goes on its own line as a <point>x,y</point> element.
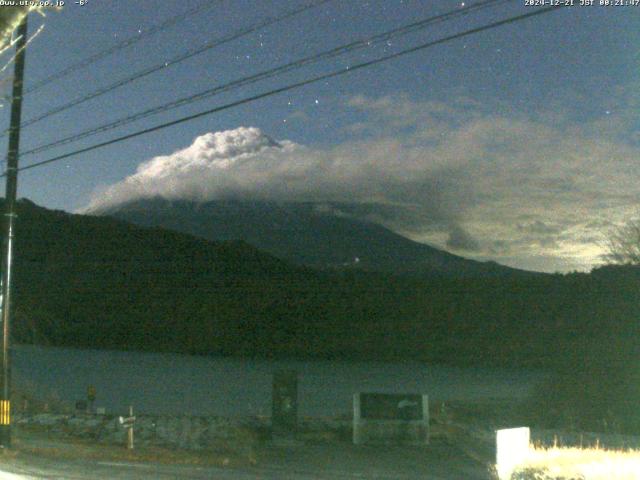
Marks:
<point>7,257</point>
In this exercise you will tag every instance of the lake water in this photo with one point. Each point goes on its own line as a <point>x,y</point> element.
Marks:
<point>180,384</point>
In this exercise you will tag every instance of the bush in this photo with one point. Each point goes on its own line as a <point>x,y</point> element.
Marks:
<point>597,388</point>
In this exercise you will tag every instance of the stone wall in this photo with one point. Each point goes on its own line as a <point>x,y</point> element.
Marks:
<point>187,432</point>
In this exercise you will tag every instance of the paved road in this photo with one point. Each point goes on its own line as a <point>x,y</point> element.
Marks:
<point>301,463</point>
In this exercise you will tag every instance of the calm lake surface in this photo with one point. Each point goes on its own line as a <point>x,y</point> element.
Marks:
<point>157,383</point>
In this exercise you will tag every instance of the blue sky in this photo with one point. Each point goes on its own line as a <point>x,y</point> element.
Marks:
<point>517,144</point>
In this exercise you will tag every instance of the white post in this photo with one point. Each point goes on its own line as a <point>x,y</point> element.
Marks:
<point>512,449</point>
<point>130,430</point>
<point>425,416</point>
<point>357,439</point>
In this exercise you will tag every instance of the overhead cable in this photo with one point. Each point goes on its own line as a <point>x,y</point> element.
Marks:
<point>295,85</point>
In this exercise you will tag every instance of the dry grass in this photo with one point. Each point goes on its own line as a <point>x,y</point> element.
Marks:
<point>556,463</point>
<point>73,449</point>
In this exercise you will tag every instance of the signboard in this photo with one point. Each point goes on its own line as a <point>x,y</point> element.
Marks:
<point>127,422</point>
<point>382,406</point>
<point>391,418</point>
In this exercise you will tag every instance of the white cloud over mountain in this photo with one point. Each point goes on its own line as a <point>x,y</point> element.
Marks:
<point>495,184</point>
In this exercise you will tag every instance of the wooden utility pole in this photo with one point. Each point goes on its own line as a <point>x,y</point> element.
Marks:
<point>7,253</point>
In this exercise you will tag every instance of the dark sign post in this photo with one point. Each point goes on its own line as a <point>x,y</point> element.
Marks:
<point>284,416</point>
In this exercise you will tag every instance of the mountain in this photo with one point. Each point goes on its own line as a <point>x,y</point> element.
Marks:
<point>98,282</point>
<point>305,234</point>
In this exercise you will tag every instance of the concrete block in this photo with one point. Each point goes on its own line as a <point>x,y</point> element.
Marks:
<point>512,449</point>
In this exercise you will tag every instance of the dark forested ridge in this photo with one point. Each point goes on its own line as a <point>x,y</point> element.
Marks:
<point>98,282</point>
<point>318,235</point>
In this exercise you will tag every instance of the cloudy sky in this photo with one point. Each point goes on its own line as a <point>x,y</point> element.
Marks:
<point>518,144</point>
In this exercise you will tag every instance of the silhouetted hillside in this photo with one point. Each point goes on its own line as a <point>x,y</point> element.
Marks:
<point>308,234</point>
<point>98,282</point>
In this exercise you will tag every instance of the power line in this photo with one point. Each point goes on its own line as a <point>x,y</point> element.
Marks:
<point>292,86</point>
<point>174,61</point>
<point>334,52</point>
<point>127,42</point>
